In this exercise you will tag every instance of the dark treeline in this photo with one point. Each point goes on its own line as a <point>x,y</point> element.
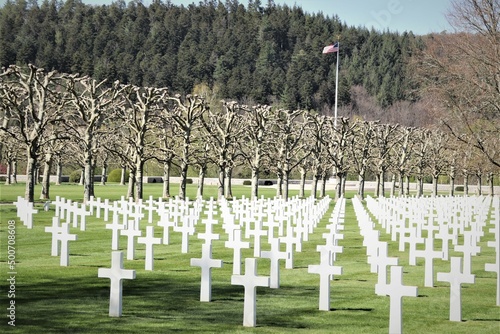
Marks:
<point>263,53</point>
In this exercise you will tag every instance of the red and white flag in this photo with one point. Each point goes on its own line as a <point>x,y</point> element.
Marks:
<point>331,48</point>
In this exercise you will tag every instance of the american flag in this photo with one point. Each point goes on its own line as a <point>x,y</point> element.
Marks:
<point>331,48</point>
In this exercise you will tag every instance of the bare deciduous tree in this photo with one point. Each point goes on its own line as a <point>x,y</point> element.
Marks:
<point>32,100</point>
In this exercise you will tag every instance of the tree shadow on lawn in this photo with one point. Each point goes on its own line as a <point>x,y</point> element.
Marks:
<point>82,304</point>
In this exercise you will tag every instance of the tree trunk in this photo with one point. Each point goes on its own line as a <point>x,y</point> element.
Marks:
<point>303,174</point>
<point>344,181</point>
<point>401,184</point>
<point>46,177</point>
<point>30,177</point>
<point>139,184</point>
<point>435,185</point>
<point>104,175</point>
<point>452,185</point>
<point>377,185</point>
<point>131,184</point>
<point>286,180</point>
<point>361,185</point>
<point>420,186</point>
<point>479,183</point>
<point>166,179</point>
<point>338,185</point>
<point>314,188</point>
<point>382,182</point>
<point>9,173</point>
<point>14,171</point>
<point>255,182</point>
<point>122,176</point>
<point>407,185</point>
<point>58,171</point>
<point>221,185</point>
<point>228,183</point>
<point>82,177</point>
<point>279,184</point>
<point>393,185</point>
<point>491,183</point>
<point>466,184</point>
<point>201,181</point>
<point>184,172</point>
<point>324,180</point>
<point>88,184</point>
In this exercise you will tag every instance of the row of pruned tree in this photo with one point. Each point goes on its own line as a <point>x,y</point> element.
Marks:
<point>59,117</point>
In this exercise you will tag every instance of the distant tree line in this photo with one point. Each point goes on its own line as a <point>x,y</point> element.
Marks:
<point>262,53</point>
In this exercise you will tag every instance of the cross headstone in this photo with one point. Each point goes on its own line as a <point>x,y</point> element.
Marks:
<point>165,222</point>
<point>429,254</point>
<point>206,263</point>
<point>456,278</point>
<point>149,240</point>
<point>275,256</point>
<point>250,282</point>
<point>495,267</point>
<point>289,240</point>
<point>237,245</point>
<point>208,235</point>
<point>469,248</point>
<point>115,227</point>
<point>131,232</point>
<point>116,274</point>
<point>55,229</point>
<point>326,271</point>
<point>396,291</point>
<point>150,207</point>
<point>257,232</point>
<point>65,237</point>
<point>445,235</point>
<point>380,262</point>
<point>186,229</point>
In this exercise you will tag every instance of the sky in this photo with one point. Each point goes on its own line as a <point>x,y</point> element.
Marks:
<point>420,16</point>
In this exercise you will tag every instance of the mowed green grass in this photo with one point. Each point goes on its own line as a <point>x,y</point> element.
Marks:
<point>54,299</point>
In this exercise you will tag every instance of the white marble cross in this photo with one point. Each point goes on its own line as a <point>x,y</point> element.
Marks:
<point>208,235</point>
<point>326,271</point>
<point>445,235</point>
<point>396,291</point>
<point>250,282</point>
<point>237,245</point>
<point>289,240</point>
<point>131,232</point>
<point>469,248</point>
<point>186,229</point>
<point>456,277</point>
<point>380,262</point>
<point>150,207</point>
<point>115,227</point>
<point>80,211</point>
<point>165,222</point>
<point>257,232</point>
<point>495,267</point>
<point>275,256</point>
<point>149,240</point>
<point>429,254</point>
<point>206,263</point>
<point>25,211</point>
<point>55,229</point>
<point>64,236</point>
<point>116,274</point>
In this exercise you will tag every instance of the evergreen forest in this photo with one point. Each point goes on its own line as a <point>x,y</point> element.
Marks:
<point>263,53</point>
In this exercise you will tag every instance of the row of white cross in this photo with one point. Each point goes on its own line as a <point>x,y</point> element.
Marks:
<point>282,222</point>
<point>443,218</point>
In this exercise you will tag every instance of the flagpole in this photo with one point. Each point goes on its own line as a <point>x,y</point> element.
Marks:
<point>337,84</point>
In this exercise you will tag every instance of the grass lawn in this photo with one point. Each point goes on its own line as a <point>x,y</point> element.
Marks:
<point>54,299</point>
